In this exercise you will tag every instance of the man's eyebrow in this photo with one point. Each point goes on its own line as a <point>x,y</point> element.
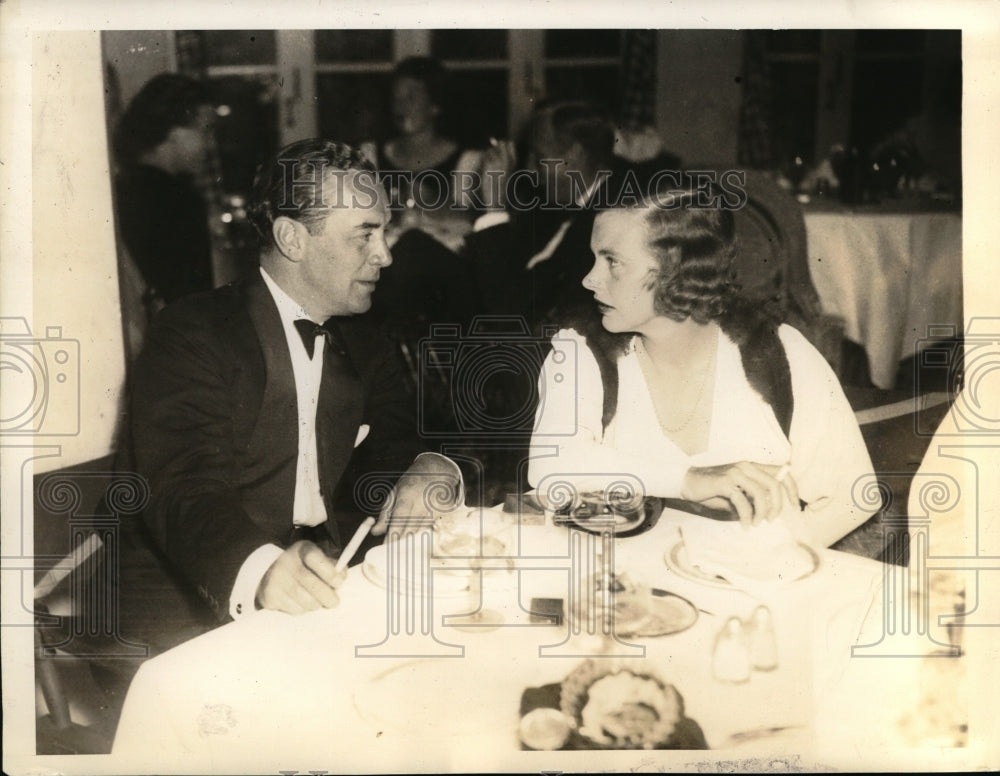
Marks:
<point>368,225</point>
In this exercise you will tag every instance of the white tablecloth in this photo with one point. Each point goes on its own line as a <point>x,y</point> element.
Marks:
<point>890,276</point>
<point>273,692</point>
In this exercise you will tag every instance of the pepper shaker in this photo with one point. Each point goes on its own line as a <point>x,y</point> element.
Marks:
<point>731,658</point>
<point>763,644</point>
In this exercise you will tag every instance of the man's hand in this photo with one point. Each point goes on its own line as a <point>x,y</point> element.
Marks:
<point>497,164</point>
<point>431,486</point>
<point>302,578</point>
<point>753,489</point>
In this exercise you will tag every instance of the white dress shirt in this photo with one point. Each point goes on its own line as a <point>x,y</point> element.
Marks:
<point>308,507</point>
<point>493,218</point>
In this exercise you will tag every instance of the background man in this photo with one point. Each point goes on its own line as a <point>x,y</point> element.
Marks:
<point>533,250</point>
<point>255,426</point>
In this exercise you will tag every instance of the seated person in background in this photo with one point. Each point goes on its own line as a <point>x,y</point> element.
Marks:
<point>161,143</point>
<point>530,254</point>
<point>418,103</point>
<point>257,408</point>
<point>690,389</point>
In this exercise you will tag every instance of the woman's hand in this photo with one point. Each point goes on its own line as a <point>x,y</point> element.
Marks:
<point>757,491</point>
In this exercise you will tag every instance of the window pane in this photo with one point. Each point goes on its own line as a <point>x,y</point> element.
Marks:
<point>246,127</point>
<point>793,86</point>
<point>478,108</point>
<point>886,94</point>
<point>353,107</point>
<point>582,43</point>
<point>354,45</point>
<point>793,41</point>
<point>894,41</point>
<point>469,44</point>
<point>240,47</point>
<point>597,85</point>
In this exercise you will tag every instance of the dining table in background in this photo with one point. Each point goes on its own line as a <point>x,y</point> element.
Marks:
<point>346,690</point>
<point>892,271</point>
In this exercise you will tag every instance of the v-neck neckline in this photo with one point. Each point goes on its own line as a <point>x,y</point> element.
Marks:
<point>651,405</point>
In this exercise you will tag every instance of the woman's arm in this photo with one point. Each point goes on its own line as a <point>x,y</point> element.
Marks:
<point>830,462</point>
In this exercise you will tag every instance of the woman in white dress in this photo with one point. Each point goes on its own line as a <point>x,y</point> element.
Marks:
<point>691,390</point>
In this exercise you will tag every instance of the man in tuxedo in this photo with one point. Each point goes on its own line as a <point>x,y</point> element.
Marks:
<point>532,249</point>
<point>266,417</point>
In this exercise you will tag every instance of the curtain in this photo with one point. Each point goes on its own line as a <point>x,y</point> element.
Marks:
<point>756,120</point>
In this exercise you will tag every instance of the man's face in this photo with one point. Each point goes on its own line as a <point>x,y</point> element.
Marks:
<point>412,109</point>
<point>347,250</point>
<point>191,143</point>
<point>554,174</point>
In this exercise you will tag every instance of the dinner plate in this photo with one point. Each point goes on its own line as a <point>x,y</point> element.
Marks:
<point>668,614</point>
<point>677,560</point>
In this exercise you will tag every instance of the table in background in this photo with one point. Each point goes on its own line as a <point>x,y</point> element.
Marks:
<point>890,275</point>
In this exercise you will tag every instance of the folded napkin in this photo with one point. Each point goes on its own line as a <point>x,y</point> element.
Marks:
<point>764,554</point>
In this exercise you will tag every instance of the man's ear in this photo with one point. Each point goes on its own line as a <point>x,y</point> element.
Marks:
<point>290,237</point>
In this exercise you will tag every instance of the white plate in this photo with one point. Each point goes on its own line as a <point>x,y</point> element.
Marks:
<point>677,560</point>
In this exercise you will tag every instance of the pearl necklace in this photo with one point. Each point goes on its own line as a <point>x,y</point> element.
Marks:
<point>648,367</point>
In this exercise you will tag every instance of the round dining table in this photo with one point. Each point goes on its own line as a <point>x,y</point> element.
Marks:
<point>398,680</point>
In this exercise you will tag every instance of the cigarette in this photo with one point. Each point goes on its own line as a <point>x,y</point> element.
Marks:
<point>352,546</point>
<point>782,473</point>
<point>67,565</point>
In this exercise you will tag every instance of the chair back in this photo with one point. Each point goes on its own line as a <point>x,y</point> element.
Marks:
<point>772,266</point>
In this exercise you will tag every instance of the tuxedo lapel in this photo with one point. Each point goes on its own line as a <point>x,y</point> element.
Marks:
<point>339,414</point>
<point>271,455</point>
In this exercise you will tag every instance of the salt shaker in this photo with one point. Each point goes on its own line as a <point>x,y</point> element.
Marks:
<point>763,644</point>
<point>731,658</point>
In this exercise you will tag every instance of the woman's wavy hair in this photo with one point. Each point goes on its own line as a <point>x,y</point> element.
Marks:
<point>693,235</point>
<point>166,101</point>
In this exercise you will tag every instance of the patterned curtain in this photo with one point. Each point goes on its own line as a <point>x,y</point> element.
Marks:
<point>755,130</point>
<point>637,138</point>
<point>638,95</point>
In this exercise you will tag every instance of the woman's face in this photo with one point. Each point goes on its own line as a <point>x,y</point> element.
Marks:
<point>624,270</point>
<point>412,109</point>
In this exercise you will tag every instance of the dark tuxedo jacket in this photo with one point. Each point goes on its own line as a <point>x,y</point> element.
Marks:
<point>214,431</point>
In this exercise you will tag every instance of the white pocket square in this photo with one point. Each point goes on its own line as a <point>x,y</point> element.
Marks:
<point>363,430</point>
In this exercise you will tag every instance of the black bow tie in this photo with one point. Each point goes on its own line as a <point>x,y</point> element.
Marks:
<point>310,330</point>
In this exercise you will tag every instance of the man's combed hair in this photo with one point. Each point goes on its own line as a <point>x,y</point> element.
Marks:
<point>575,121</point>
<point>295,183</point>
<point>695,245</point>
